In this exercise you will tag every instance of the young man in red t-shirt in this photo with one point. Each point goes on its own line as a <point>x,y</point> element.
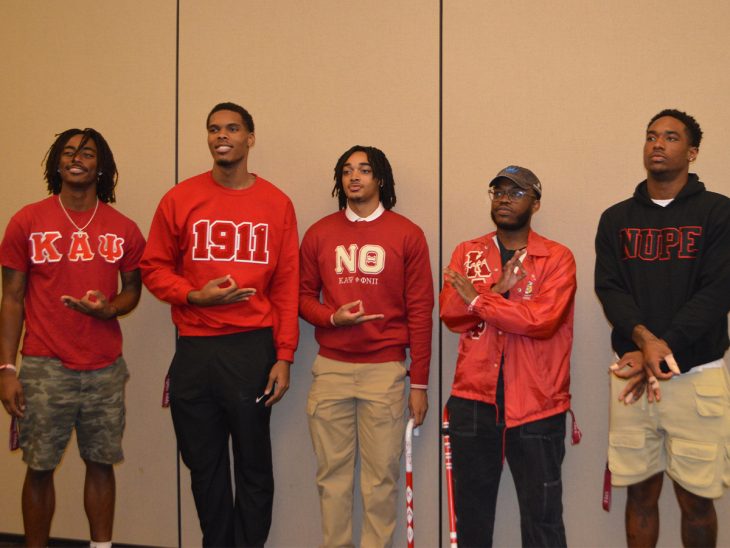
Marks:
<point>62,259</point>
<point>224,252</point>
<point>366,286</point>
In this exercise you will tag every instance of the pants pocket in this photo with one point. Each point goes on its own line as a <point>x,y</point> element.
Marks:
<point>626,456</point>
<point>710,400</point>
<point>693,461</point>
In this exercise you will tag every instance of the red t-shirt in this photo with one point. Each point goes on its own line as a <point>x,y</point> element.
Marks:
<point>202,231</point>
<point>57,260</point>
<point>385,264</point>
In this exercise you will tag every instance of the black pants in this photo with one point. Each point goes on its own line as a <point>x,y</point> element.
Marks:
<point>214,383</point>
<point>534,452</point>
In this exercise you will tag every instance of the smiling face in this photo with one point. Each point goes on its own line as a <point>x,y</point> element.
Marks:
<point>228,138</point>
<point>667,150</point>
<point>77,166</point>
<point>360,186</point>
<point>512,215</point>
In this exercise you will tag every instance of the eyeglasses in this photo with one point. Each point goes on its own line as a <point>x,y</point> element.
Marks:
<point>513,194</point>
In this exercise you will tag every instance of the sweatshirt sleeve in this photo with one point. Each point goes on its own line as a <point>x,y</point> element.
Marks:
<point>419,306</point>
<point>161,257</point>
<point>616,298</point>
<point>452,308</point>
<point>284,288</point>
<point>711,301</point>
<point>311,307</point>
<point>541,316</point>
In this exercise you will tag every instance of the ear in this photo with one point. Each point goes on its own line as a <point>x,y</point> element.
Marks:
<point>692,153</point>
<point>535,206</point>
<point>251,139</point>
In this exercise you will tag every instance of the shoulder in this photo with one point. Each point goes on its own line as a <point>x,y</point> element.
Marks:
<point>271,189</point>
<point>619,208</point>
<point>481,242</point>
<point>35,210</point>
<point>553,248</point>
<point>326,222</point>
<point>192,185</point>
<point>404,223</point>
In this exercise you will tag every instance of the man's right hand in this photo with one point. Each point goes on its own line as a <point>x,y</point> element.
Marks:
<point>632,367</point>
<point>11,393</point>
<point>654,350</point>
<point>220,291</point>
<point>348,315</point>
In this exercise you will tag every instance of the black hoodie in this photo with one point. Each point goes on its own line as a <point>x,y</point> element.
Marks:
<point>667,268</point>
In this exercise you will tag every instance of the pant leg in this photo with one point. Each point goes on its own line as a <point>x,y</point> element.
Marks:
<point>332,425</point>
<point>202,436</point>
<point>381,426</point>
<point>476,444</point>
<point>535,454</point>
<point>242,367</point>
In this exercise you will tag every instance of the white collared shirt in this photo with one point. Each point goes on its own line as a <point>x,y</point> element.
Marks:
<point>355,218</point>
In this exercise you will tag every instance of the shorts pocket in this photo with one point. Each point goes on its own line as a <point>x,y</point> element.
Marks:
<point>626,454</point>
<point>710,400</point>
<point>693,462</point>
<point>726,474</point>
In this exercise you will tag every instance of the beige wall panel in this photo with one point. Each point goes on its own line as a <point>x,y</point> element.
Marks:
<point>566,88</point>
<point>109,65</point>
<point>319,77</point>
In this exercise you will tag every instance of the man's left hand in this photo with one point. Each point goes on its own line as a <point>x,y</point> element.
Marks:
<point>278,382</point>
<point>418,405</point>
<point>93,303</point>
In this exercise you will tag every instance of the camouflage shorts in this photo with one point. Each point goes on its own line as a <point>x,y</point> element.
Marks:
<point>57,399</point>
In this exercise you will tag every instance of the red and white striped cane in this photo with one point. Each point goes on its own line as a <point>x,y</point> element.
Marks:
<point>409,484</point>
<point>449,481</point>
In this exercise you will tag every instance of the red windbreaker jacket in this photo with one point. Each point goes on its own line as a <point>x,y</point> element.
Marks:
<point>533,328</point>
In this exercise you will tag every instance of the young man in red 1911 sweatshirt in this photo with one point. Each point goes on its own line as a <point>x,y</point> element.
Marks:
<point>366,286</point>
<point>224,253</point>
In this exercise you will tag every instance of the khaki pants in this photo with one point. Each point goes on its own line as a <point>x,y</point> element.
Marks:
<point>357,407</point>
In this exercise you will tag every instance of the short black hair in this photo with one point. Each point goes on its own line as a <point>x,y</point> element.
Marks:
<point>382,172</point>
<point>694,132</point>
<point>245,116</point>
<point>105,164</point>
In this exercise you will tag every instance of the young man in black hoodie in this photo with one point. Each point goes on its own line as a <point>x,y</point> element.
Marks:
<point>663,277</point>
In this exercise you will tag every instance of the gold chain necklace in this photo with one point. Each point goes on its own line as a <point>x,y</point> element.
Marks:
<point>83,228</point>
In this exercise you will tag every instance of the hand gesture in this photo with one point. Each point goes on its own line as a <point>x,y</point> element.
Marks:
<point>655,351</point>
<point>512,272</point>
<point>348,314</point>
<point>94,303</point>
<point>11,393</point>
<point>222,290</point>
<point>631,366</point>
<point>461,284</point>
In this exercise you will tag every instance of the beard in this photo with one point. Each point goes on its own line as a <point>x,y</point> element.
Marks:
<point>226,163</point>
<point>519,223</point>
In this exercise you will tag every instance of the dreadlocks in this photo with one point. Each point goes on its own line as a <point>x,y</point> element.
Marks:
<point>382,172</point>
<point>106,166</point>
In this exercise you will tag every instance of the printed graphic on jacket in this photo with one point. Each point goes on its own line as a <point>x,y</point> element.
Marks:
<point>661,244</point>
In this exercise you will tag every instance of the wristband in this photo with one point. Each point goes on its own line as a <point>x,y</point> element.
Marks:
<point>10,366</point>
